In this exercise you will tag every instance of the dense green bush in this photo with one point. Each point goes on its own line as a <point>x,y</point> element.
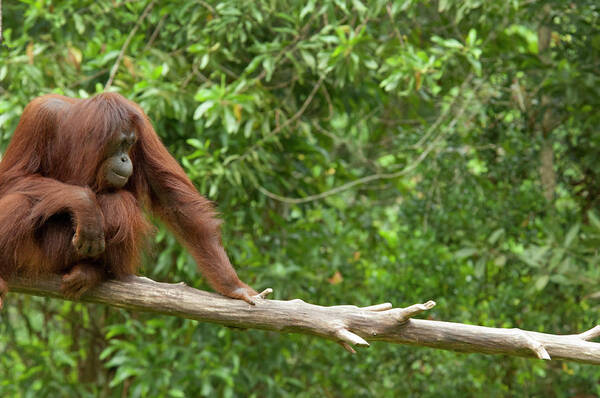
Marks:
<point>359,152</point>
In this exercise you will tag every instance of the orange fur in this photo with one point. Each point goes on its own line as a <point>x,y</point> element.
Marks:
<point>51,184</point>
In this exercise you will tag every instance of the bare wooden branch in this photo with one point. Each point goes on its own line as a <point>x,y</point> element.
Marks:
<point>590,334</point>
<point>348,325</point>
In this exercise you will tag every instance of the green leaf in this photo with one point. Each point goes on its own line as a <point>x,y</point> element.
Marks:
<point>269,65</point>
<point>231,124</point>
<point>500,261</point>
<point>448,43</point>
<point>534,255</point>
<point>386,160</point>
<point>465,252</point>
<point>201,110</point>
<point>204,61</point>
<point>196,48</point>
<point>555,260</point>
<point>124,372</point>
<point>541,282</point>
<point>196,143</point>
<point>309,59</point>
<point>79,25</point>
<point>359,7</point>
<point>118,360</point>
<point>571,235</point>
<point>116,330</point>
<point>560,279</point>
<point>471,37</point>
<point>594,220</point>
<point>308,8</point>
<point>495,236</point>
<point>371,64</point>
<point>480,268</point>
<point>177,393</point>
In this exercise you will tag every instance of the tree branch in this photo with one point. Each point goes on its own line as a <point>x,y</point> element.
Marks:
<point>115,67</point>
<point>346,324</point>
<point>383,176</point>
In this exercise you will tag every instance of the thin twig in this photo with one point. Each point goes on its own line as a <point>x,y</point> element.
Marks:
<point>302,108</point>
<point>378,176</point>
<point>290,47</point>
<point>209,7</point>
<point>88,78</point>
<point>156,32</point>
<point>345,187</point>
<point>329,104</point>
<point>287,122</point>
<point>398,35</point>
<point>445,113</point>
<point>194,72</point>
<point>115,67</point>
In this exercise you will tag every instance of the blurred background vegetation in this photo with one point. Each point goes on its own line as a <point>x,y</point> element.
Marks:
<point>359,152</point>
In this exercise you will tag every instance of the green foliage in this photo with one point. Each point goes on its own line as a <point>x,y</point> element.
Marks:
<point>437,113</point>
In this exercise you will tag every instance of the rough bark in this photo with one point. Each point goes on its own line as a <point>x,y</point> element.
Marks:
<point>549,119</point>
<point>347,325</point>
